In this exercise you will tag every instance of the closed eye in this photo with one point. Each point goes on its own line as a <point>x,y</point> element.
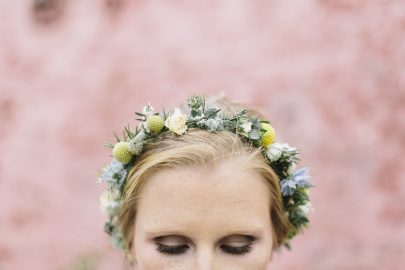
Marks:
<point>171,250</point>
<point>177,245</point>
<point>177,250</point>
<point>236,250</point>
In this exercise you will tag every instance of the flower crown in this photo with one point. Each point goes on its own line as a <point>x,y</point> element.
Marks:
<point>281,157</point>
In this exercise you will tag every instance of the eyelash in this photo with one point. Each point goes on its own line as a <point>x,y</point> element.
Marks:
<point>177,250</point>
<point>236,250</point>
<point>171,250</point>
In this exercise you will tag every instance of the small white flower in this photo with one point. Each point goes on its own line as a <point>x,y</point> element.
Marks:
<point>291,168</point>
<point>247,127</point>
<point>140,136</point>
<point>274,152</point>
<point>135,147</point>
<point>145,127</point>
<point>286,148</point>
<point>147,110</point>
<point>177,122</point>
<point>109,202</point>
<point>305,209</point>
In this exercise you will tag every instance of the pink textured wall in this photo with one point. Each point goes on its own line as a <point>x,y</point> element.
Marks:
<point>330,75</point>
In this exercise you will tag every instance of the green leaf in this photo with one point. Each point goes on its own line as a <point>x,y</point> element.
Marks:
<point>109,145</point>
<point>116,137</point>
<point>243,112</point>
<point>194,113</point>
<point>256,123</point>
<point>130,134</point>
<point>140,114</point>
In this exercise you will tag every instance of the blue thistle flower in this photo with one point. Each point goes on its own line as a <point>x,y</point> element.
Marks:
<point>114,173</point>
<point>299,178</point>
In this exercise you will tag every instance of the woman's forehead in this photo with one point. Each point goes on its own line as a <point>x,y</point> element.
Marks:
<point>224,197</point>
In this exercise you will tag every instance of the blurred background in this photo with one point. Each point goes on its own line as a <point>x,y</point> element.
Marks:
<point>329,74</point>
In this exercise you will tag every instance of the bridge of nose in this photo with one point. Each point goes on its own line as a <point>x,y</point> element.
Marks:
<point>204,257</point>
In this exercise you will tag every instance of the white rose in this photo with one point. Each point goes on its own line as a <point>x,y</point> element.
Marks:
<point>109,202</point>
<point>247,127</point>
<point>177,122</point>
<point>274,152</point>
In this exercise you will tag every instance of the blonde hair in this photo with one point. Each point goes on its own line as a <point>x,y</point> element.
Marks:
<point>203,149</point>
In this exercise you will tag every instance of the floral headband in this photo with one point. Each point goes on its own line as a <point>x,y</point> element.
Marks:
<point>281,157</point>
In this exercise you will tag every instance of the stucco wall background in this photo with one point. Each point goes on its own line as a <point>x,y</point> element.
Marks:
<point>330,75</point>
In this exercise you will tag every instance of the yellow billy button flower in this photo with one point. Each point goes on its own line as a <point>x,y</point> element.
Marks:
<point>155,123</point>
<point>121,152</point>
<point>269,136</point>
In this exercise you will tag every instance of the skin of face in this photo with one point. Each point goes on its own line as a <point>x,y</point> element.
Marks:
<point>203,214</point>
